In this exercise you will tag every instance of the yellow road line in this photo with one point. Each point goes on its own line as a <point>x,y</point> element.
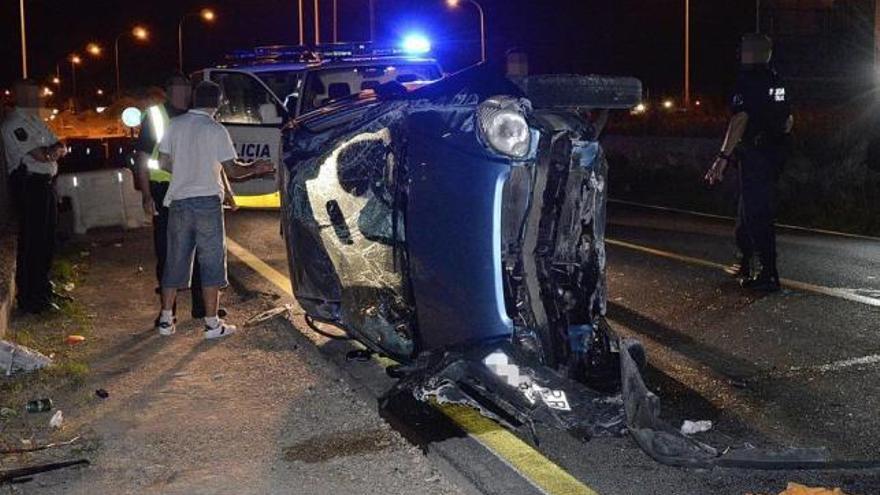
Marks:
<point>528,462</point>
<point>791,284</point>
<point>259,266</point>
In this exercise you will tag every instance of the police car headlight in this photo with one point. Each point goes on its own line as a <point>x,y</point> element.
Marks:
<point>503,126</point>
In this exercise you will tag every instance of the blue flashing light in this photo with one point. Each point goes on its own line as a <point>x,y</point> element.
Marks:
<point>416,44</point>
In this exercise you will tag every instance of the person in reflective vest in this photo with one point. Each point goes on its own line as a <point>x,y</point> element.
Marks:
<point>154,181</point>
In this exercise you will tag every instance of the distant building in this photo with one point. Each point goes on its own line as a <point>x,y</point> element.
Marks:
<point>826,49</point>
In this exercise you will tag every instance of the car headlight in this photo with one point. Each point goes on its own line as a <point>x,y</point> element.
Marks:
<point>503,126</point>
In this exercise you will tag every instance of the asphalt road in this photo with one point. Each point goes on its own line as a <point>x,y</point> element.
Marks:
<point>797,368</point>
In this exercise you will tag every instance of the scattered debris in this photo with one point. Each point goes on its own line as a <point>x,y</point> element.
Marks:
<point>118,245</point>
<point>84,254</point>
<point>268,315</point>
<point>797,489</point>
<point>16,358</point>
<point>140,269</point>
<point>102,393</point>
<point>24,474</point>
<point>40,447</point>
<point>69,287</point>
<point>694,427</point>
<point>74,339</point>
<point>57,419</point>
<point>40,405</point>
<point>6,412</point>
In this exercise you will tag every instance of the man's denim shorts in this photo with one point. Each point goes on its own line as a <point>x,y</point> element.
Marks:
<point>195,225</point>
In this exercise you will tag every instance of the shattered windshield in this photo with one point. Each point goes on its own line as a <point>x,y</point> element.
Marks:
<point>331,84</point>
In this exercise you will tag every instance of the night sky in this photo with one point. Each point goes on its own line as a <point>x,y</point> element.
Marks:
<point>627,37</point>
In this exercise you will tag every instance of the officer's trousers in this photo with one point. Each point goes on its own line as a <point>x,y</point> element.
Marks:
<point>755,232</point>
<point>160,244</point>
<point>36,203</point>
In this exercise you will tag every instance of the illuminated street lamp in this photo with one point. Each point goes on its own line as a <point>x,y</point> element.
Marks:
<point>94,49</point>
<point>56,80</point>
<point>455,3</point>
<point>99,92</point>
<point>139,33</point>
<point>207,15</point>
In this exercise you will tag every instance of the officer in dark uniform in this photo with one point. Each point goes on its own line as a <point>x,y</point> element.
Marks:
<point>154,181</point>
<point>32,153</point>
<point>757,141</point>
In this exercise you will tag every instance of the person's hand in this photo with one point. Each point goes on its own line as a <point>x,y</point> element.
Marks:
<point>229,201</point>
<point>715,175</point>
<point>149,206</point>
<point>262,168</point>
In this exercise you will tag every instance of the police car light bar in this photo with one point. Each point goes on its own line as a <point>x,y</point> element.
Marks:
<point>328,51</point>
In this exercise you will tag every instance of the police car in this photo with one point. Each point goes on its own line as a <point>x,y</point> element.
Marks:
<point>266,86</point>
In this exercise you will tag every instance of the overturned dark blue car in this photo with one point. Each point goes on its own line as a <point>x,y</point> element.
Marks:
<point>458,228</point>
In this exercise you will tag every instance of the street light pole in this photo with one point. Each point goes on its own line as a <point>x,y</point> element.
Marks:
<point>302,26</point>
<point>336,21</point>
<point>73,81</point>
<point>483,49</point>
<point>24,67</point>
<point>116,58</point>
<point>372,20</point>
<point>687,53</point>
<point>757,16</point>
<point>317,24</point>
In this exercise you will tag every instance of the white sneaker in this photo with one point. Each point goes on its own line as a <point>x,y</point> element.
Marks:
<point>220,331</point>
<point>166,328</point>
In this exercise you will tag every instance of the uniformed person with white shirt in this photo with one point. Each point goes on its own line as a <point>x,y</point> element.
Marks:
<point>32,153</point>
<point>757,142</point>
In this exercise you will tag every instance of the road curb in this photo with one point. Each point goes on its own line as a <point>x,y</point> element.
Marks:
<point>7,277</point>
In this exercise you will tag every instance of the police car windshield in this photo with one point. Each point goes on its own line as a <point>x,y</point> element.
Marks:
<point>283,83</point>
<point>325,85</point>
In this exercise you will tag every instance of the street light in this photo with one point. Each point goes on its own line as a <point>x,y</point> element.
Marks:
<point>94,49</point>
<point>317,24</point>
<point>455,3</point>
<point>687,54</point>
<point>139,33</point>
<point>206,15</point>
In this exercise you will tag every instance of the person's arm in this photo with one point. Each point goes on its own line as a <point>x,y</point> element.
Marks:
<point>735,131</point>
<point>142,169</point>
<point>238,171</point>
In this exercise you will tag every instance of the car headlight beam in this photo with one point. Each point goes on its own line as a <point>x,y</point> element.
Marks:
<point>503,126</point>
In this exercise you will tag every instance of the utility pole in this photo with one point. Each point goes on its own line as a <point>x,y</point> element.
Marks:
<point>24,67</point>
<point>336,21</point>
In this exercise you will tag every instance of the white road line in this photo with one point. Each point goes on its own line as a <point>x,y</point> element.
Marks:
<point>846,294</point>
<point>723,217</point>
<point>841,365</point>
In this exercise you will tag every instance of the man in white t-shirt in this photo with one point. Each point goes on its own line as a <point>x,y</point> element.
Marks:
<point>200,154</point>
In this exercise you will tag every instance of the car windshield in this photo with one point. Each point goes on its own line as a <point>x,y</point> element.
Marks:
<point>325,85</point>
<point>283,83</point>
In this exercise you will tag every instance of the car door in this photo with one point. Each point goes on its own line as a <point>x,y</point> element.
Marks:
<point>253,116</point>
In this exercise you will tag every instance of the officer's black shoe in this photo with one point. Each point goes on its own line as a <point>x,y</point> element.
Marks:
<point>764,282</point>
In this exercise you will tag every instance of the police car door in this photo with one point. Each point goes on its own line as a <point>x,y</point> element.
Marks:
<point>253,116</point>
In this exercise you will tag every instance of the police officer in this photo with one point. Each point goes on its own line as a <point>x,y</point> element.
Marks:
<point>154,181</point>
<point>756,140</point>
<point>32,151</point>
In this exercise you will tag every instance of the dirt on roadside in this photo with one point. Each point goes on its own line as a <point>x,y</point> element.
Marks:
<point>259,412</point>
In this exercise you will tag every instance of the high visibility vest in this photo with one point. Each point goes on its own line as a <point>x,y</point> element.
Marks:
<point>159,120</point>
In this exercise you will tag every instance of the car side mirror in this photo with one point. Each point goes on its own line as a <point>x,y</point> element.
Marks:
<point>269,114</point>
